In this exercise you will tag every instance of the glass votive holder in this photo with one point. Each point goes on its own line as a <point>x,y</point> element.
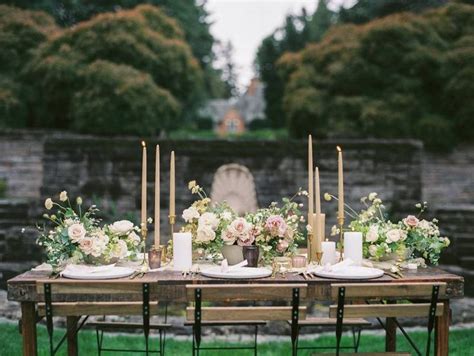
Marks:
<point>298,261</point>
<point>154,257</point>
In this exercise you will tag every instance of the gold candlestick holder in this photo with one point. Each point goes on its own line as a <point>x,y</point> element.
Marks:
<point>144,233</point>
<point>309,246</point>
<point>319,258</point>
<point>340,222</point>
<point>172,219</point>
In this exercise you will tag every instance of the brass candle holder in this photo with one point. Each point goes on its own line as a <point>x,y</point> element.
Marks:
<point>340,223</point>
<point>319,258</point>
<point>309,246</point>
<point>172,219</point>
<point>144,233</point>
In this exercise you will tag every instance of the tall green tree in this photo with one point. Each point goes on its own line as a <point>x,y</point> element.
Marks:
<point>403,75</point>
<point>294,35</point>
<point>124,72</point>
<point>191,15</point>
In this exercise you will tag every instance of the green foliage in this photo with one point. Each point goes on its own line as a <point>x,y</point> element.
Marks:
<point>191,16</point>
<point>293,36</point>
<point>259,124</point>
<point>404,75</point>
<point>21,32</point>
<point>123,72</point>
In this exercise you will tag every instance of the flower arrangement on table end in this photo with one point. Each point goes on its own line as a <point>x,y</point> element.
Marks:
<point>408,239</point>
<point>213,225</point>
<point>77,236</point>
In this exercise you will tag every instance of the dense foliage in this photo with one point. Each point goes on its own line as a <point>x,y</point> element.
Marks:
<point>293,36</point>
<point>124,72</point>
<point>191,16</point>
<point>404,75</point>
<point>20,33</point>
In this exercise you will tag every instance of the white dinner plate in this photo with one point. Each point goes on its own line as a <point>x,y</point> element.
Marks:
<point>241,272</point>
<point>111,273</point>
<point>351,272</point>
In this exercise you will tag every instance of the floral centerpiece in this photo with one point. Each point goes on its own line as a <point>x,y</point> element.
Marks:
<point>77,236</point>
<point>215,225</point>
<point>410,238</point>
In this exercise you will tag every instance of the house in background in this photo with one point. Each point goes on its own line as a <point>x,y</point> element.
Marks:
<point>233,116</point>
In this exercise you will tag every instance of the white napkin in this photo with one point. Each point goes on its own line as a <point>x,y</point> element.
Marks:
<point>225,265</point>
<point>340,266</point>
<point>87,269</point>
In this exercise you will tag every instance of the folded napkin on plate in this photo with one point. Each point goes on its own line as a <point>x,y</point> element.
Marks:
<point>87,269</point>
<point>340,266</point>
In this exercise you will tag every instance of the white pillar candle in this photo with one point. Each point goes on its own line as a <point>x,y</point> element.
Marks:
<point>182,251</point>
<point>353,247</point>
<point>329,252</point>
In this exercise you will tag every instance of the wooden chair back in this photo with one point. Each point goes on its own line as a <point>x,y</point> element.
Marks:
<point>247,292</point>
<point>389,291</point>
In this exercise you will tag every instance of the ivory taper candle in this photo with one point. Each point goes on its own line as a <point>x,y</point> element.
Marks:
<point>340,172</point>
<point>143,210</point>
<point>157,196</point>
<point>310,194</point>
<point>172,186</point>
<point>318,223</point>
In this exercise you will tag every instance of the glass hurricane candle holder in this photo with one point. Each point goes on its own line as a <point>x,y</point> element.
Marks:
<point>251,254</point>
<point>154,257</point>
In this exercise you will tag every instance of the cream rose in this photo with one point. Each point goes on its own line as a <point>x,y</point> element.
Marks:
<point>121,227</point>
<point>209,219</point>
<point>76,232</point>
<point>282,246</point>
<point>190,214</point>
<point>86,245</point>
<point>393,235</point>
<point>205,233</point>
<point>373,250</point>
<point>134,239</point>
<point>228,237</point>
<point>119,250</point>
<point>372,234</point>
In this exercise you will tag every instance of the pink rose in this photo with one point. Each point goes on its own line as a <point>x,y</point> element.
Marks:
<point>282,246</point>
<point>245,240</point>
<point>411,221</point>
<point>276,225</point>
<point>86,245</point>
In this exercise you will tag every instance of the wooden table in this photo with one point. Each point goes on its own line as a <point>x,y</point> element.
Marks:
<point>169,286</point>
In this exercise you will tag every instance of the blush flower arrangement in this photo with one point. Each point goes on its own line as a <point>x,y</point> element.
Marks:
<point>72,235</point>
<point>274,229</point>
<point>411,238</point>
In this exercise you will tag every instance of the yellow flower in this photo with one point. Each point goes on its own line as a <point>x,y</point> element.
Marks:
<point>191,184</point>
<point>327,197</point>
<point>79,201</point>
<point>63,196</point>
<point>48,204</point>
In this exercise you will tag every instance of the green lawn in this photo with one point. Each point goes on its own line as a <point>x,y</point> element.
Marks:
<point>10,342</point>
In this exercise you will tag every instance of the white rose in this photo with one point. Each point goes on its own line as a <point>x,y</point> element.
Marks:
<point>372,234</point>
<point>119,250</point>
<point>373,250</point>
<point>121,227</point>
<point>134,238</point>
<point>393,235</point>
<point>205,233</point>
<point>76,232</point>
<point>209,219</point>
<point>190,214</point>
<point>424,224</point>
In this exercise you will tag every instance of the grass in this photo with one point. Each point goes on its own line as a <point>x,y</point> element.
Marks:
<point>10,341</point>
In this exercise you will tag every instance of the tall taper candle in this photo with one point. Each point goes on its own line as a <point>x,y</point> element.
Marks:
<point>340,213</point>
<point>143,211</point>
<point>310,194</point>
<point>157,196</point>
<point>172,186</point>
<point>318,223</point>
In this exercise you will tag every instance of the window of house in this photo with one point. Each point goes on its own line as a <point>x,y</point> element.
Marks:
<point>232,125</point>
